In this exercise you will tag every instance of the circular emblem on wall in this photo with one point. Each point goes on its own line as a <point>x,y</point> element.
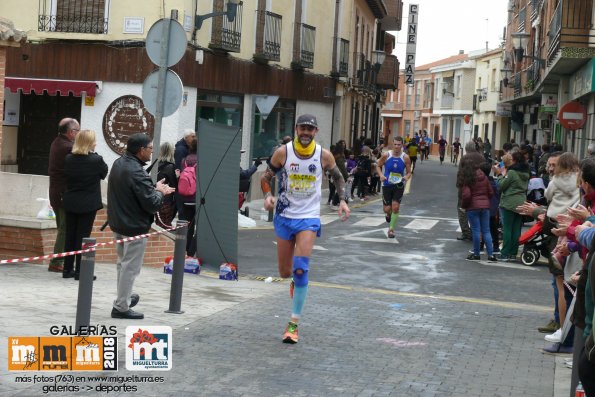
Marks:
<point>125,116</point>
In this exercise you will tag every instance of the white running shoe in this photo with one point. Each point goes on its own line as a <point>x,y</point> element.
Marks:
<point>556,337</point>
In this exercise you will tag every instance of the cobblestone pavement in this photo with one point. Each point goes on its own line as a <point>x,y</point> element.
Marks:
<point>353,341</point>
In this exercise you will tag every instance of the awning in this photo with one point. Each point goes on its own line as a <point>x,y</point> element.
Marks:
<point>52,87</point>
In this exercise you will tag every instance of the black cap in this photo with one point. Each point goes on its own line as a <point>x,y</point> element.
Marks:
<point>307,119</point>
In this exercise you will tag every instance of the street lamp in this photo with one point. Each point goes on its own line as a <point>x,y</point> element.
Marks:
<point>378,56</point>
<point>505,71</point>
<point>519,43</point>
<point>232,9</point>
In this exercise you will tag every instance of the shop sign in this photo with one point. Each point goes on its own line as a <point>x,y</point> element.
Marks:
<point>581,82</point>
<point>504,109</point>
<point>549,103</point>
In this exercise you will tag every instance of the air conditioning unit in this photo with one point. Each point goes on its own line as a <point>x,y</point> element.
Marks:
<point>417,114</point>
<point>545,124</point>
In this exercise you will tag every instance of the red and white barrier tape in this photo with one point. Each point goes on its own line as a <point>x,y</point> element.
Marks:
<point>571,289</point>
<point>92,248</point>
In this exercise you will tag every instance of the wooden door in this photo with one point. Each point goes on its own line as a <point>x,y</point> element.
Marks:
<point>40,115</point>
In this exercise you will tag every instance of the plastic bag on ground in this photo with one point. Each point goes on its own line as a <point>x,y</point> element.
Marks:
<point>244,221</point>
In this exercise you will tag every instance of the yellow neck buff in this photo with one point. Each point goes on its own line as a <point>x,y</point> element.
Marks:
<point>301,150</point>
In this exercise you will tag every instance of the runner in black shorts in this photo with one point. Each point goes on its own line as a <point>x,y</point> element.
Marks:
<point>397,171</point>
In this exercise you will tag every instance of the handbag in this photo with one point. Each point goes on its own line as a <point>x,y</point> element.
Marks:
<point>574,263</point>
<point>166,214</point>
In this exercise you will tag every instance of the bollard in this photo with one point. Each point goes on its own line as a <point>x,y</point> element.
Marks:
<point>177,275</point>
<point>87,270</point>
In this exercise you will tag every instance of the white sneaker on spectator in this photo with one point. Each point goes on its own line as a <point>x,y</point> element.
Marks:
<point>556,337</point>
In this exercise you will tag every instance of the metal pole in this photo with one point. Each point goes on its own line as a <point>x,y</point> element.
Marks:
<point>177,276</point>
<point>83,305</point>
<point>165,33</point>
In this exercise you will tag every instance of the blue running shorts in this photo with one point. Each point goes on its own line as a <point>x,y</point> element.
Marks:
<point>287,228</point>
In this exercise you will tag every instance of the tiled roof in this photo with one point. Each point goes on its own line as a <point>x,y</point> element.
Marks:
<point>445,61</point>
<point>9,33</point>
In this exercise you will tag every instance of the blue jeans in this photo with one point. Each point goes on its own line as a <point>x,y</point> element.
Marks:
<point>479,220</point>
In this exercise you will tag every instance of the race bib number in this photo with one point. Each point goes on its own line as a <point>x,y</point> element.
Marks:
<point>394,178</point>
<point>301,185</point>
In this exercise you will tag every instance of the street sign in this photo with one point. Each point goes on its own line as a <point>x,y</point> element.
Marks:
<point>176,44</point>
<point>172,92</point>
<point>572,115</point>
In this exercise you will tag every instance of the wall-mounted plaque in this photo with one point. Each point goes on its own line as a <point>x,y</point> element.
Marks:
<point>126,116</point>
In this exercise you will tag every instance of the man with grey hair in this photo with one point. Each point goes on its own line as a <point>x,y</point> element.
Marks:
<point>68,128</point>
<point>591,149</point>
<point>182,147</point>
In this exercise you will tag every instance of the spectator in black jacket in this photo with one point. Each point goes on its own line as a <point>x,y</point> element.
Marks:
<point>132,203</point>
<point>84,170</point>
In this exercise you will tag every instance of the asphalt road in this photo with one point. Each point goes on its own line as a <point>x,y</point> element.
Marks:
<point>424,258</point>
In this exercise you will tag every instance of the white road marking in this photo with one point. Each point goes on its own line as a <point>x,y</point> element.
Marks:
<point>326,219</point>
<point>370,221</point>
<point>518,266</point>
<point>316,247</point>
<point>401,255</point>
<point>359,236</point>
<point>421,224</point>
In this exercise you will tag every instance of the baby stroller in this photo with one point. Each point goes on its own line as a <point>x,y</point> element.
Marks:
<point>534,243</point>
<point>536,191</point>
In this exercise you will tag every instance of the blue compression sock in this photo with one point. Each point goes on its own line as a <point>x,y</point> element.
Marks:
<point>300,289</point>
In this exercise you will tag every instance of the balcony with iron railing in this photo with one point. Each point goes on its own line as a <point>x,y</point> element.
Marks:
<point>517,84</point>
<point>89,16</point>
<point>388,76</point>
<point>225,35</point>
<point>268,36</point>
<point>343,58</point>
<point>569,27</point>
<point>364,75</point>
<point>303,52</point>
<point>535,6</point>
<point>521,20</point>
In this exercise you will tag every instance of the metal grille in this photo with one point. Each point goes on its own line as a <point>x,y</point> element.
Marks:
<point>343,57</point>
<point>272,36</point>
<point>228,35</point>
<point>73,16</point>
<point>521,20</point>
<point>308,36</point>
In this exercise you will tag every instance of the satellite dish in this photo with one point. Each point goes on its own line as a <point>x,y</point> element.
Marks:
<point>172,92</point>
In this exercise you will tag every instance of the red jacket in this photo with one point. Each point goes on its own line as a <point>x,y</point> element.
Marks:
<point>477,196</point>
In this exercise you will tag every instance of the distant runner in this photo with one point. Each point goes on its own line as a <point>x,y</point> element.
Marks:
<point>397,171</point>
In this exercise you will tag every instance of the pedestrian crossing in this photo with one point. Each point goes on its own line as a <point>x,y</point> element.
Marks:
<point>405,221</point>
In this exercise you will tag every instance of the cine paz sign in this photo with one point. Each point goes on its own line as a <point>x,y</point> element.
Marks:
<point>411,44</point>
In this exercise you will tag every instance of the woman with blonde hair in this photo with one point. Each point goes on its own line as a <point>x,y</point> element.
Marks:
<point>562,193</point>
<point>166,169</point>
<point>84,170</point>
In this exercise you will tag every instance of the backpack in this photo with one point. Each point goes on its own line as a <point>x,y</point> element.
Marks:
<point>363,165</point>
<point>187,182</point>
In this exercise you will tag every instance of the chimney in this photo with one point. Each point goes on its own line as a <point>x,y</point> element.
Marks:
<point>461,52</point>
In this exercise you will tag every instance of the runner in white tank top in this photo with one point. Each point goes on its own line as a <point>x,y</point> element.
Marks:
<point>299,166</point>
<point>300,182</point>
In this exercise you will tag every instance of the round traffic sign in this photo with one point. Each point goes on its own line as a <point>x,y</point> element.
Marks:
<point>572,115</point>
<point>175,46</point>
<point>172,92</point>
